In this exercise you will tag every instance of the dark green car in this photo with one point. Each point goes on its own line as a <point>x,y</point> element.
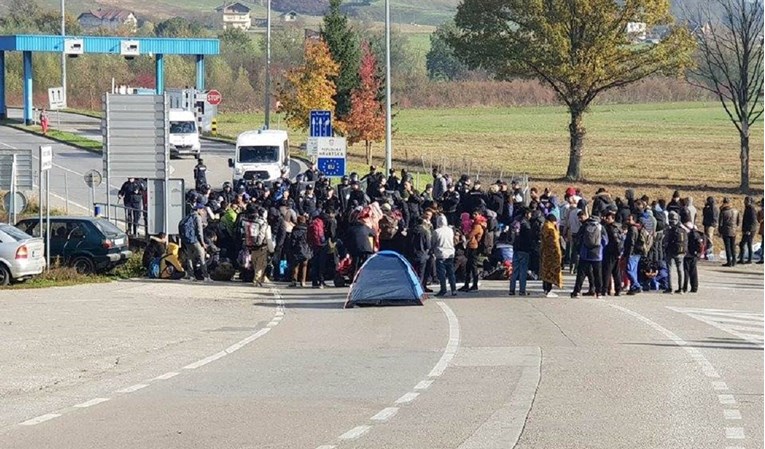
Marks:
<point>88,244</point>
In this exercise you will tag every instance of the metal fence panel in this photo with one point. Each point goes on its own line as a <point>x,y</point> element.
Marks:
<point>155,198</point>
<point>24,170</point>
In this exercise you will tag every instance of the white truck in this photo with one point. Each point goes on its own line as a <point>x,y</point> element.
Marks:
<point>184,133</point>
<point>260,155</point>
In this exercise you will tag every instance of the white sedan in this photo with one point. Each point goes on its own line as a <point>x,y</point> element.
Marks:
<point>21,255</point>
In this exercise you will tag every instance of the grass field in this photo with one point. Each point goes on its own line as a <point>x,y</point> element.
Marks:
<point>653,147</point>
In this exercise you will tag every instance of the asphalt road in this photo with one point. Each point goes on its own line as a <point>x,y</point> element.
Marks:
<point>71,163</point>
<point>241,367</point>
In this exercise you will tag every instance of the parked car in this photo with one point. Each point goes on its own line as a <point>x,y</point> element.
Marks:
<point>21,255</point>
<point>88,244</point>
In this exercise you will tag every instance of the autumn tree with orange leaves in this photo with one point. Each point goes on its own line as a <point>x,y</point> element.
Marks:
<point>309,86</point>
<point>366,121</point>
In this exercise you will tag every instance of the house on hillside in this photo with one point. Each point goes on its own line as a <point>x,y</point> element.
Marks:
<point>290,16</point>
<point>108,18</point>
<point>636,31</point>
<point>235,15</point>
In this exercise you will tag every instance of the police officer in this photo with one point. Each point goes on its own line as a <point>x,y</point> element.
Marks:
<point>131,193</point>
<point>200,174</point>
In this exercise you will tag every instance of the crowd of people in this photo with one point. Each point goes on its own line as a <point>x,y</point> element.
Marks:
<point>456,229</point>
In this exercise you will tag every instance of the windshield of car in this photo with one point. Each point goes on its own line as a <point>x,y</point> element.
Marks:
<point>107,227</point>
<point>15,233</point>
<point>258,154</point>
<point>183,128</point>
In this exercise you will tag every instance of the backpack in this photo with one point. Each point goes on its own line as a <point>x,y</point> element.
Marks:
<point>644,242</point>
<point>678,243</point>
<point>486,245</point>
<point>592,234</point>
<point>154,268</point>
<point>388,227</point>
<point>315,236</point>
<point>661,220</point>
<point>187,229</point>
<point>697,243</point>
<point>255,233</point>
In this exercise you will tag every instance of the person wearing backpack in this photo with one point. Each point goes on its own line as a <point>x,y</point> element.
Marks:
<point>299,252</point>
<point>592,242</point>
<point>675,248</point>
<point>696,250</point>
<point>192,240</point>
<point>521,250</point>
<point>258,240</point>
<point>318,242</point>
<point>389,229</point>
<point>613,252</point>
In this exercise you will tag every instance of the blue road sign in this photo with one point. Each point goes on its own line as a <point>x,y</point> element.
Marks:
<point>331,166</point>
<point>321,123</point>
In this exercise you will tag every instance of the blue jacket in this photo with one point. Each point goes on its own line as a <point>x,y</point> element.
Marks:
<point>595,254</point>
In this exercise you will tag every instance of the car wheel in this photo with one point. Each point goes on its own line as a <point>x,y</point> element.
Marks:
<point>83,265</point>
<point>5,275</point>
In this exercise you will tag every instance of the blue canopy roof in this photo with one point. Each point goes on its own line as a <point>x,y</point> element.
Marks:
<point>110,44</point>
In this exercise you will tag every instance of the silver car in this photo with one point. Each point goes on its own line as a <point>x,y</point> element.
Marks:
<point>21,255</point>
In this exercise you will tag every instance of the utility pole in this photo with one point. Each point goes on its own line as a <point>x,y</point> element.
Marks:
<point>388,129</point>
<point>63,55</point>
<point>268,67</point>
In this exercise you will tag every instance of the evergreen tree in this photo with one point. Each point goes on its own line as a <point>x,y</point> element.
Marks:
<point>343,43</point>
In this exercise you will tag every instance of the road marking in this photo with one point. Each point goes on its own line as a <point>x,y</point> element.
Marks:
<point>726,399</point>
<point>734,433</point>
<point>385,414</point>
<point>166,376</point>
<point>719,386</point>
<point>326,446</point>
<point>206,360</point>
<point>40,419</point>
<point>424,385</point>
<point>409,397</point>
<point>92,402</point>
<point>747,326</point>
<point>452,345</point>
<point>132,388</point>
<point>355,432</point>
<point>732,414</point>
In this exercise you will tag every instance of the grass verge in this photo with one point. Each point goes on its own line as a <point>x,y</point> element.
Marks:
<point>61,136</point>
<point>60,277</point>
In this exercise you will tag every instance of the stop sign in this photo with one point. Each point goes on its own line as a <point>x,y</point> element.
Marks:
<point>214,97</point>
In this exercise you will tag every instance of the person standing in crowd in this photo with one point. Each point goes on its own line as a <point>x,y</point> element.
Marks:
<point>749,228</point>
<point>551,257</point>
<point>611,272</point>
<point>473,252</point>
<point>675,248</point>
<point>318,242</point>
<point>730,220</point>
<point>696,248</point>
<point>572,225</point>
<point>633,252</point>
<point>419,244</point>
<point>299,252</point>
<point>131,193</point>
<point>258,240</point>
<point>359,244</point>
<point>592,240</point>
<point>521,253</point>
<point>193,244</point>
<point>710,220</point>
<point>761,220</point>
<point>443,250</point>
<point>200,175</point>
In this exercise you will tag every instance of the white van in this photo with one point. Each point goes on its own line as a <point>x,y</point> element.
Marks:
<point>184,134</point>
<point>260,155</point>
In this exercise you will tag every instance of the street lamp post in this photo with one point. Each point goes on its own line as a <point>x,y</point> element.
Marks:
<point>388,129</point>
<point>267,102</point>
<point>63,54</point>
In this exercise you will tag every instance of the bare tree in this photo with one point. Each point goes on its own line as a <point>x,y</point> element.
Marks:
<point>730,64</point>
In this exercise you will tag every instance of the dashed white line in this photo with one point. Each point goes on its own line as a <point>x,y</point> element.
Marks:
<point>726,399</point>
<point>409,397</point>
<point>424,385</point>
<point>92,402</point>
<point>732,414</point>
<point>355,432</point>
<point>326,446</point>
<point>132,388</point>
<point>40,419</point>
<point>719,386</point>
<point>385,414</point>
<point>166,376</point>
<point>734,433</point>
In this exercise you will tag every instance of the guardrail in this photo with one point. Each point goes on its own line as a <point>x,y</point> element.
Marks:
<point>132,220</point>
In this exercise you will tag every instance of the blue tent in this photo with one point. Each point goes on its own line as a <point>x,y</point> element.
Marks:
<point>385,279</point>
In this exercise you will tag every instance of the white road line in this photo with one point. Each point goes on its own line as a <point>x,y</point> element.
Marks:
<point>166,376</point>
<point>732,414</point>
<point>409,397</point>
<point>734,433</point>
<point>385,414</point>
<point>40,419</point>
<point>424,385</point>
<point>726,399</point>
<point>206,360</point>
<point>719,386</point>
<point>132,389</point>
<point>355,432</point>
<point>452,345</point>
<point>326,446</point>
<point>92,402</point>
<point>712,317</point>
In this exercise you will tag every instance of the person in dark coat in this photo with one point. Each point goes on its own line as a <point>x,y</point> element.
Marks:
<point>749,228</point>
<point>710,220</point>
<point>358,243</point>
<point>299,252</point>
<point>419,246</point>
<point>155,249</point>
